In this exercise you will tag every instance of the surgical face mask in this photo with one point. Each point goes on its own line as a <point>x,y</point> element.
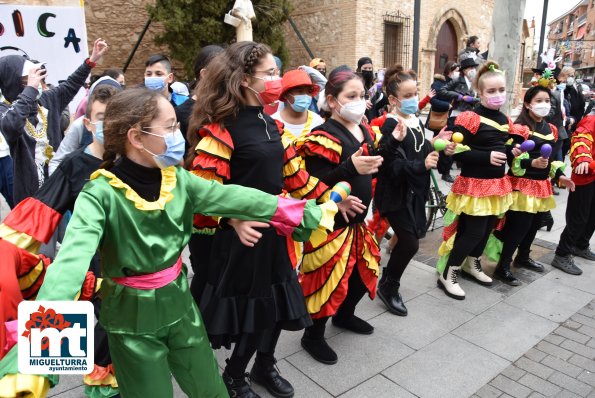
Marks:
<point>174,151</point>
<point>272,90</point>
<point>301,102</point>
<point>353,111</point>
<point>495,101</point>
<point>98,135</point>
<point>409,106</point>
<point>178,99</point>
<point>471,74</point>
<point>155,83</point>
<point>455,75</point>
<point>570,81</point>
<point>542,109</point>
<point>561,86</point>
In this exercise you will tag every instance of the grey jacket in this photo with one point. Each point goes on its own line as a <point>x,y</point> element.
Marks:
<point>24,105</point>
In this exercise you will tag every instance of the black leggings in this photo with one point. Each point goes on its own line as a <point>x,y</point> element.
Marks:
<point>519,232</point>
<point>472,235</point>
<point>406,247</point>
<point>356,291</point>
<point>238,362</point>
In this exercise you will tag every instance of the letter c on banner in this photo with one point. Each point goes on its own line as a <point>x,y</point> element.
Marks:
<point>42,24</point>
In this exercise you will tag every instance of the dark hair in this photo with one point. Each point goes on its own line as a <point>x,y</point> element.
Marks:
<point>337,80</point>
<point>362,61</point>
<point>129,108</point>
<point>204,56</point>
<point>102,93</point>
<point>471,40</point>
<point>524,118</point>
<point>221,93</point>
<point>164,60</point>
<point>450,67</point>
<point>93,79</point>
<point>395,75</point>
<point>113,73</point>
<point>487,69</point>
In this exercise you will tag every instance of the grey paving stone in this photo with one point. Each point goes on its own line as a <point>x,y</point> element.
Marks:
<point>535,355</point>
<point>303,386</point>
<point>533,367</point>
<point>567,394</point>
<point>572,335</point>
<point>588,310</point>
<point>368,309</point>
<point>587,377</point>
<point>554,350</point>
<point>577,348</point>
<point>583,282</point>
<point>479,298</point>
<point>428,319</point>
<point>76,392</point>
<point>488,391</point>
<point>535,394</point>
<point>584,320</point>
<point>562,366</point>
<point>360,358</point>
<point>510,387</point>
<point>554,339</point>
<point>514,373</point>
<point>538,384</point>
<point>377,387</point>
<point>417,279</point>
<point>436,370</point>
<point>506,330</point>
<point>67,383</point>
<point>550,299</point>
<point>571,324</point>
<point>588,330</point>
<point>569,383</point>
<point>582,362</point>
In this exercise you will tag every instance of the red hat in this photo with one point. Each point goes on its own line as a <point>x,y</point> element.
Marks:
<point>297,78</point>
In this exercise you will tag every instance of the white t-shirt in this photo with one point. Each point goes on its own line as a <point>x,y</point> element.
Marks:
<point>4,149</point>
<point>299,130</point>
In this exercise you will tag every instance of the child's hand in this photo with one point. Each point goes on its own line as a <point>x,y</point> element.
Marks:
<point>582,168</point>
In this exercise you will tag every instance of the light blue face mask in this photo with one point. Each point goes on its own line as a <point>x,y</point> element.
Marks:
<point>301,102</point>
<point>155,83</point>
<point>174,152</point>
<point>409,106</point>
<point>561,86</point>
<point>98,131</point>
<point>178,99</point>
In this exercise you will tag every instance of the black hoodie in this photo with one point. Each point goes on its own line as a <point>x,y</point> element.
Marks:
<point>24,105</point>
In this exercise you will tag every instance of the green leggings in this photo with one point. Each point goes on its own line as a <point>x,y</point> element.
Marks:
<point>144,363</point>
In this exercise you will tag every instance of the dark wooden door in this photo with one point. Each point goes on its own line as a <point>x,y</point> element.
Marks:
<point>446,46</point>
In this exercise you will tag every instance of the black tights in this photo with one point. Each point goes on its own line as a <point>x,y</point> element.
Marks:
<point>406,247</point>
<point>472,235</point>
<point>519,232</point>
<point>356,290</point>
<point>238,362</point>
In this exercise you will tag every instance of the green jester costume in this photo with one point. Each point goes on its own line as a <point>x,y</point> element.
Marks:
<point>153,325</point>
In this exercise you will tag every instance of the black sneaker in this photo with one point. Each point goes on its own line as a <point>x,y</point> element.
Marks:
<point>566,264</point>
<point>238,387</point>
<point>354,324</point>
<point>585,253</point>
<point>528,263</point>
<point>267,375</point>
<point>388,293</point>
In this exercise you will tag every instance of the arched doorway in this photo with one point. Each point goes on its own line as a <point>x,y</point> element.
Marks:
<point>446,46</point>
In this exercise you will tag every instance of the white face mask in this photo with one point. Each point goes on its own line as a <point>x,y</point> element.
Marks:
<point>455,75</point>
<point>542,109</point>
<point>353,111</point>
<point>471,74</point>
<point>570,81</point>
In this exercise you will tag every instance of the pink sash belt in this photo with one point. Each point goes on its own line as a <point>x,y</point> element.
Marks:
<point>155,280</point>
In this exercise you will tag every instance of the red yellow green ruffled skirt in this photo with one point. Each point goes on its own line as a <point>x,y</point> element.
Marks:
<point>531,196</point>
<point>480,197</point>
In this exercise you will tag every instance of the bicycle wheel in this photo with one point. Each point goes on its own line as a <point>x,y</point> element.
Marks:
<point>431,208</point>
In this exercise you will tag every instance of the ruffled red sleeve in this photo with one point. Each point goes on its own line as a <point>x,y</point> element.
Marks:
<point>519,130</point>
<point>554,131</point>
<point>297,181</point>
<point>469,121</point>
<point>322,144</point>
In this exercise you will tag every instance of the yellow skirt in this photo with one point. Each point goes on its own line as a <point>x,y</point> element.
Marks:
<point>474,206</point>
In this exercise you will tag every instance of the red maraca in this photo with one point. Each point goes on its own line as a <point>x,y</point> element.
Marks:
<point>546,151</point>
<point>528,146</point>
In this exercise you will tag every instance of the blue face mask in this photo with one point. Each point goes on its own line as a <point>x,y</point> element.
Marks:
<point>155,83</point>
<point>301,102</point>
<point>561,86</point>
<point>178,99</point>
<point>409,106</point>
<point>174,153</point>
<point>98,131</point>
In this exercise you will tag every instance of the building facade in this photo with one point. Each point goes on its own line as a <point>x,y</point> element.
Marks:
<point>342,31</point>
<point>572,35</point>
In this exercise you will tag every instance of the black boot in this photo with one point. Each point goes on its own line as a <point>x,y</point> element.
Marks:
<point>388,292</point>
<point>522,260</point>
<point>503,273</point>
<point>547,221</point>
<point>353,323</point>
<point>316,345</point>
<point>266,374</point>
<point>238,387</point>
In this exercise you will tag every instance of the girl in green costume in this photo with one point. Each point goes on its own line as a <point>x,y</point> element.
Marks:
<point>139,215</point>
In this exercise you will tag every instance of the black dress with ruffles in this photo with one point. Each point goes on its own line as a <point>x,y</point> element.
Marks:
<point>250,291</point>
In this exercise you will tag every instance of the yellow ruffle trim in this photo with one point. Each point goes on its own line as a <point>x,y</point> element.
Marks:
<point>19,239</point>
<point>486,206</point>
<point>168,183</point>
<point>327,223</point>
<point>531,204</point>
<point>108,380</point>
<point>24,386</point>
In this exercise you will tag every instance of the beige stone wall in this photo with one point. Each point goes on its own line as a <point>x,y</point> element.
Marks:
<point>120,24</point>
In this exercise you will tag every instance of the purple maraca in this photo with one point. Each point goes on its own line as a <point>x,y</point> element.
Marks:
<point>528,146</point>
<point>546,151</point>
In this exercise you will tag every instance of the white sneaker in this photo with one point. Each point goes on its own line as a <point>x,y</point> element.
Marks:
<point>447,280</point>
<point>472,267</point>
